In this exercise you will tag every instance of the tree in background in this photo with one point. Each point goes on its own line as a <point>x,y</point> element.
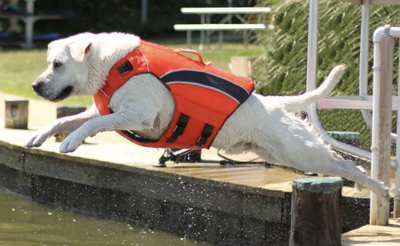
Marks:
<point>283,72</point>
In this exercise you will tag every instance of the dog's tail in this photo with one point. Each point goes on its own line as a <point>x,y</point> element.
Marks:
<point>300,102</point>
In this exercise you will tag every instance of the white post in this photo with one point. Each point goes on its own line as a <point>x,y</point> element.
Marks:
<point>245,38</point>
<point>143,18</point>
<point>312,45</point>
<point>312,58</point>
<point>29,21</point>
<point>381,124</point>
<point>189,39</point>
<point>14,24</point>
<point>30,8</point>
<point>230,16</point>
<point>396,205</point>
<point>14,20</point>
<point>208,20</point>
<point>202,21</point>
<point>363,74</point>
<point>220,38</point>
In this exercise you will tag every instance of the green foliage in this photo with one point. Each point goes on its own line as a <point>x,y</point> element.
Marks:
<point>283,71</point>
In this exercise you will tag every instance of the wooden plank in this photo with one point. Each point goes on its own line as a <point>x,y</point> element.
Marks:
<point>257,176</point>
<point>231,10</point>
<point>374,235</point>
<point>257,180</point>
<point>282,186</point>
<point>236,173</point>
<point>218,27</point>
<point>12,158</point>
<point>212,169</point>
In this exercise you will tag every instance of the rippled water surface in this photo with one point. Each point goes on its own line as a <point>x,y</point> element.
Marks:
<point>27,223</point>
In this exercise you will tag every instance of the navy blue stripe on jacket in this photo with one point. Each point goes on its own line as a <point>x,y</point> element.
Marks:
<point>207,80</point>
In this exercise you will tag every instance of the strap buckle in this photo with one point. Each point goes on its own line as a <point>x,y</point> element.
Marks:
<point>126,67</point>
<point>207,131</point>
<point>179,128</point>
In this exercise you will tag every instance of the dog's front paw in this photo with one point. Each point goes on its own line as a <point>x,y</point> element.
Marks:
<point>37,139</point>
<point>72,142</point>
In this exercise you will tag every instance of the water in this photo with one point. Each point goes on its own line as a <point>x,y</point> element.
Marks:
<point>27,223</point>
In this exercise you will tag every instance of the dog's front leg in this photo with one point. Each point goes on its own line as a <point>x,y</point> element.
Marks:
<point>121,120</point>
<point>65,124</point>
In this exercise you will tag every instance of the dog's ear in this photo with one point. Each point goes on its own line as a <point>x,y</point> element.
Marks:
<point>49,46</point>
<point>80,49</point>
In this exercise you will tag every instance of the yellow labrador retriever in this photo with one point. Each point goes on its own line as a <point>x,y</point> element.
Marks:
<point>265,125</point>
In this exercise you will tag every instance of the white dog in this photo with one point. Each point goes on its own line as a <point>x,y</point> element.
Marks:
<point>265,125</point>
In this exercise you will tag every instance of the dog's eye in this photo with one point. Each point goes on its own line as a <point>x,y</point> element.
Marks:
<point>57,64</point>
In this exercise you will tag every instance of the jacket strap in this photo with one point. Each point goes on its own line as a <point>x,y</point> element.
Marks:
<point>207,131</point>
<point>179,128</point>
<point>124,68</point>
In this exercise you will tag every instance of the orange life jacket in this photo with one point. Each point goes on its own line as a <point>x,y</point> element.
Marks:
<point>204,95</point>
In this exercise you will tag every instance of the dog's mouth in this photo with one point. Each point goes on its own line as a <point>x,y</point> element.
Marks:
<point>64,94</point>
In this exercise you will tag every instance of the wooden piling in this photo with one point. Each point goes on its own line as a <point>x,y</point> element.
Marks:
<point>63,111</point>
<point>242,65</point>
<point>16,114</point>
<point>316,211</point>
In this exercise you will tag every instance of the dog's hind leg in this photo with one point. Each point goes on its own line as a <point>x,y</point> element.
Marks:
<point>294,144</point>
<point>340,168</point>
<point>346,169</point>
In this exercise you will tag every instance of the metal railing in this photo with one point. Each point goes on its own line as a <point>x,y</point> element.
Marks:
<point>379,214</point>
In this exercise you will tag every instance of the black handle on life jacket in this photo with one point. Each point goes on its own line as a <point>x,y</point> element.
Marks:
<point>192,52</point>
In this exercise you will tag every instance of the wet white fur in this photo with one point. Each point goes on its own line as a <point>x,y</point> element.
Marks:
<point>264,125</point>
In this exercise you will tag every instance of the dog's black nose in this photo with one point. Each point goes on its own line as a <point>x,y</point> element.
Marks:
<point>37,86</point>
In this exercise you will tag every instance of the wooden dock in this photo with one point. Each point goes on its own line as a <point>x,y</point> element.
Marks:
<point>110,178</point>
<point>374,235</point>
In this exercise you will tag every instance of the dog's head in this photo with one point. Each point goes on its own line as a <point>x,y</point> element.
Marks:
<point>68,68</point>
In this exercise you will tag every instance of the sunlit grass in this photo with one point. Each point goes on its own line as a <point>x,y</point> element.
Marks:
<point>19,68</point>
